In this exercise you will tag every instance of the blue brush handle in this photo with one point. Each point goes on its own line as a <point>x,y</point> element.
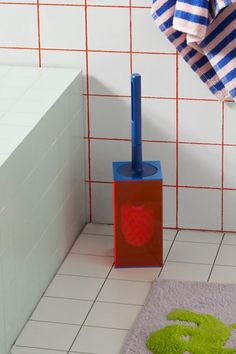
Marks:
<point>136,123</point>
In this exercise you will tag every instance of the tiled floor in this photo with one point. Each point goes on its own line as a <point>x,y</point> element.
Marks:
<point>89,306</point>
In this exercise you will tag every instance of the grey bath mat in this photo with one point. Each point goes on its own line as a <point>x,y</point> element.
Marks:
<point>186,317</point>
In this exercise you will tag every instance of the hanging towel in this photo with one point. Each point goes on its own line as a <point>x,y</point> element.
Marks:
<point>204,33</point>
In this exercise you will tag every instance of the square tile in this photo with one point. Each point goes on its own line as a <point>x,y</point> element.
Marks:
<point>93,245</point>
<point>167,246</point>
<point>193,252</point>
<point>141,3</point>
<point>169,235</point>
<point>229,210</point>
<point>85,265</point>
<point>25,350</point>
<point>185,271</point>
<point>73,287</point>
<point>159,119</point>
<point>58,310</point>
<point>19,57</point>
<point>103,153</point>
<point>14,17</point>
<point>192,121</point>
<point>105,340</point>
<point>47,335</point>
<point>102,195</point>
<point>98,229</point>
<point>193,87</point>
<point>54,35</point>
<point>124,291</point>
<point>200,165</point>
<point>109,73</point>
<point>223,274</point>
<point>112,315</point>
<point>144,28</point>
<point>109,2</point>
<point>164,72</point>
<point>199,236</point>
<point>229,239</point>
<point>229,166</point>
<point>135,274</point>
<point>169,206</point>
<point>103,123</point>
<point>226,255</point>
<point>199,208</point>
<point>229,123</point>
<point>117,37</point>
<point>164,152</point>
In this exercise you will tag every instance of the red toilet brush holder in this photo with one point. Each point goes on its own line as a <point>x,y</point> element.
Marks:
<point>137,198</point>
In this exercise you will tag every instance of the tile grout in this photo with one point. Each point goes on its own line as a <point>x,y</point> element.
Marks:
<point>85,319</point>
<point>217,253</point>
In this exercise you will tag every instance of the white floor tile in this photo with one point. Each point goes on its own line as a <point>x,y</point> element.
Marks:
<point>229,239</point>
<point>65,311</point>
<point>227,255</point>
<point>198,236</point>
<point>98,229</point>
<point>185,271</point>
<point>73,287</point>
<point>24,350</point>
<point>167,246</point>
<point>93,245</point>
<point>138,274</point>
<point>124,291</point>
<point>223,274</point>
<point>112,315</point>
<point>91,266</point>
<point>193,252</point>
<point>105,340</point>
<point>169,234</point>
<point>48,335</point>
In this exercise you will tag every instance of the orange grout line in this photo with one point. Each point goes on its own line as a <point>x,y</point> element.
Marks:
<point>222,166</point>
<point>88,110</point>
<point>38,34</point>
<point>72,4</point>
<point>172,186</point>
<point>130,36</point>
<point>177,138</point>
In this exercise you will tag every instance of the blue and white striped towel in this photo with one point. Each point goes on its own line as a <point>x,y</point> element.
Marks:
<point>204,33</point>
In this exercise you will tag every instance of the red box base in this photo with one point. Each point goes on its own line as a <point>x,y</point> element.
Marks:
<point>138,239</point>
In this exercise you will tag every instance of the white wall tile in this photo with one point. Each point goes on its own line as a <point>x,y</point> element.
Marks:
<point>19,57</point>
<point>113,28</point>
<point>143,28</point>
<point>199,208</point>
<point>200,165</point>
<point>200,121</point>
<point>109,73</point>
<point>141,3</point>
<point>229,166</point>
<point>102,203</point>
<point>158,74</point>
<point>229,123</point>
<point>18,26</point>
<point>54,34</point>
<point>166,153</point>
<point>114,121</point>
<point>229,210</point>
<point>169,207</point>
<point>190,85</point>
<point>159,119</point>
<point>109,2</point>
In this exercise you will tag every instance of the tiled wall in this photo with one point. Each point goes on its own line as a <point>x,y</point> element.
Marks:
<point>184,126</point>
<point>42,190</point>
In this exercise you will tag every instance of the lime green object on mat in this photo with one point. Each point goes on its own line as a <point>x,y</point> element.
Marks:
<point>206,335</point>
